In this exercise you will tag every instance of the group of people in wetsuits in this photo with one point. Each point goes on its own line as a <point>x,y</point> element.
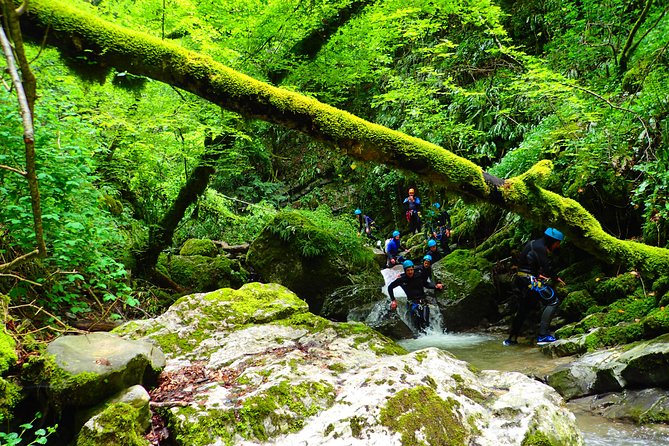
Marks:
<point>415,278</point>
<point>532,284</point>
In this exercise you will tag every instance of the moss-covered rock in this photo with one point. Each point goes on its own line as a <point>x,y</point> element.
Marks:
<point>310,259</point>
<point>10,396</point>
<point>576,304</point>
<point>622,286</point>
<point>199,247</point>
<point>116,425</point>
<point>200,273</point>
<point>656,322</point>
<point>469,297</point>
<point>421,416</point>
<point>8,356</point>
<point>80,371</point>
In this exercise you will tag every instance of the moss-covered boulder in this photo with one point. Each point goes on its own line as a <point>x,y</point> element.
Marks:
<point>201,273</point>
<point>121,420</point>
<point>9,391</point>
<point>115,425</point>
<point>83,370</point>
<point>310,255</point>
<point>642,364</point>
<point>576,305</point>
<point>199,247</point>
<point>619,287</point>
<point>646,406</point>
<point>469,296</point>
<point>253,366</point>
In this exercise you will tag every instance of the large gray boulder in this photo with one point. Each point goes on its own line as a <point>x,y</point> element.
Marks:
<point>640,365</point>
<point>271,373</point>
<point>89,368</point>
<point>637,406</point>
<point>309,259</point>
<point>469,297</point>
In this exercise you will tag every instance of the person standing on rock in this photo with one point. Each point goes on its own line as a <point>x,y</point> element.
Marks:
<point>412,208</point>
<point>531,285</point>
<point>366,225</point>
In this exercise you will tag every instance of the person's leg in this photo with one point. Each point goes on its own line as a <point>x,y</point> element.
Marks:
<point>524,308</point>
<point>546,317</point>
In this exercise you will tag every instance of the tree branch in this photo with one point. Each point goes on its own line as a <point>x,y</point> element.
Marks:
<point>78,32</point>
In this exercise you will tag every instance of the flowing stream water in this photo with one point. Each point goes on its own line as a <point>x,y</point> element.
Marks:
<point>486,352</point>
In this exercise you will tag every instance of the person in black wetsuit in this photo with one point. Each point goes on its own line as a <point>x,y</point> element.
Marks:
<point>366,225</point>
<point>530,285</point>
<point>426,272</point>
<point>433,251</point>
<point>413,283</point>
<point>440,227</point>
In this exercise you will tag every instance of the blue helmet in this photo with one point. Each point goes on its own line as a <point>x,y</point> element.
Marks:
<point>431,243</point>
<point>358,212</point>
<point>427,257</point>
<point>396,233</point>
<point>436,205</point>
<point>407,264</point>
<point>554,233</point>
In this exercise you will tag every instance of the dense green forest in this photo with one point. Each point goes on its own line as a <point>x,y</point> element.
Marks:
<point>151,128</point>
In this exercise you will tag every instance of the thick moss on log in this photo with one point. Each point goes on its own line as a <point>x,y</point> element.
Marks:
<point>110,45</point>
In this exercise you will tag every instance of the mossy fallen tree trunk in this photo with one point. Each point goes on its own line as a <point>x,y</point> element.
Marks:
<point>75,32</point>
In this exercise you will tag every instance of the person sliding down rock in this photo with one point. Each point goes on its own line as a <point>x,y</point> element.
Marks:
<point>413,283</point>
<point>532,285</point>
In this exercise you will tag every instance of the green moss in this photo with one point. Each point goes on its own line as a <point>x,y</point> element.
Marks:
<point>421,417</point>
<point>199,247</point>
<point>656,322</point>
<point>357,425</point>
<point>8,354</point>
<point>420,356</point>
<point>612,289</point>
<point>118,426</point>
<point>337,367</point>
<point>202,273</point>
<point>279,410</point>
<point>576,304</point>
<point>10,396</point>
<point>537,439</point>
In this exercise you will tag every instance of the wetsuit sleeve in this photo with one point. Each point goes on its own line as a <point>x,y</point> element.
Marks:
<point>394,284</point>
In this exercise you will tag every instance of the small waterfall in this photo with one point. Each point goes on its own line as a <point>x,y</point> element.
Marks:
<point>381,308</point>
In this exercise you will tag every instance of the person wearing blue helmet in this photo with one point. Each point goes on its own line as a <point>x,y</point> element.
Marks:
<point>426,272</point>
<point>393,247</point>
<point>413,283</point>
<point>532,285</point>
<point>433,251</point>
<point>366,225</point>
<point>439,222</point>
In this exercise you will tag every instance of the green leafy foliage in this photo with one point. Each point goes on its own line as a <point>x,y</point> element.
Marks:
<point>39,436</point>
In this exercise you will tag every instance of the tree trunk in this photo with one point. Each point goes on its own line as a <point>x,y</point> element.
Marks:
<point>160,235</point>
<point>111,45</point>
<point>307,48</point>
